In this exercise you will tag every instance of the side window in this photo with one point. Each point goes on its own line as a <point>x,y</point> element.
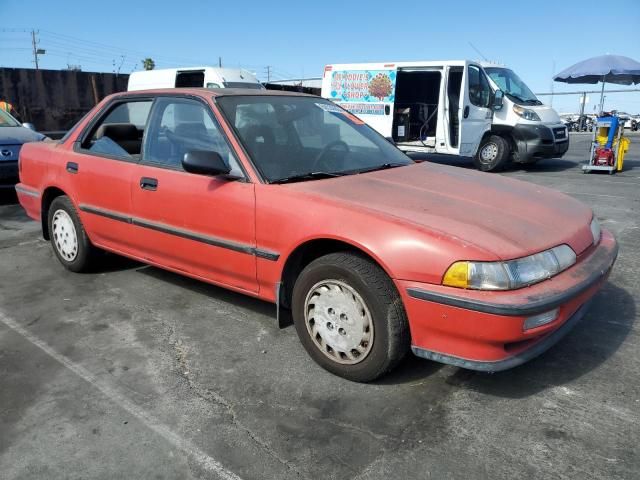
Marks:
<point>120,132</point>
<point>179,126</point>
<point>479,89</point>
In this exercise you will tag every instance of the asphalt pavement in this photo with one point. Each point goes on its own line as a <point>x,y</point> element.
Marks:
<point>134,372</point>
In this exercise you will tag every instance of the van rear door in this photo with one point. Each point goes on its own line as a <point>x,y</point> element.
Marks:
<point>368,93</point>
<point>475,113</point>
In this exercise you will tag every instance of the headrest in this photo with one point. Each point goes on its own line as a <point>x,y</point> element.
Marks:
<point>118,131</point>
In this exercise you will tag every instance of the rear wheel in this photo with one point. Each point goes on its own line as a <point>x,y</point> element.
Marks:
<point>349,316</point>
<point>492,155</point>
<point>68,237</point>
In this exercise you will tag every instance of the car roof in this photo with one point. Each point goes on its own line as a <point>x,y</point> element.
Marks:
<point>214,92</point>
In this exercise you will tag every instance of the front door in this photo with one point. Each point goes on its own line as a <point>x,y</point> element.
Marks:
<point>475,114</point>
<point>198,224</point>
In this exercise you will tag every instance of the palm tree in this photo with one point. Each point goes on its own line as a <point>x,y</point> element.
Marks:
<point>148,64</point>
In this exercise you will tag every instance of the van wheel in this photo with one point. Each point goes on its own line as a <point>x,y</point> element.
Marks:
<point>349,316</point>
<point>68,237</point>
<point>492,155</point>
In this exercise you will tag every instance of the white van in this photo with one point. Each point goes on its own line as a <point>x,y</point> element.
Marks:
<point>444,107</point>
<point>207,77</point>
<point>532,130</point>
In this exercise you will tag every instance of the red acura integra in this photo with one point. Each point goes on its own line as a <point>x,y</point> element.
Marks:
<point>291,199</point>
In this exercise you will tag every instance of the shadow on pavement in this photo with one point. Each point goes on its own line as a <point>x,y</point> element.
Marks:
<point>217,293</point>
<point>591,342</point>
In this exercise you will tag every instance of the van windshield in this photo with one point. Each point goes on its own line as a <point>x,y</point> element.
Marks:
<point>299,138</point>
<point>512,85</point>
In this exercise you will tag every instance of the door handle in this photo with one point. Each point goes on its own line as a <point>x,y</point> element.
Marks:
<point>72,167</point>
<point>147,183</point>
<point>465,114</point>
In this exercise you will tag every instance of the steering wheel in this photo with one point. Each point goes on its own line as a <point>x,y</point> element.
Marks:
<point>321,163</point>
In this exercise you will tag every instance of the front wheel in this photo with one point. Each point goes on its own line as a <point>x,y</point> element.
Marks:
<point>492,155</point>
<point>349,316</point>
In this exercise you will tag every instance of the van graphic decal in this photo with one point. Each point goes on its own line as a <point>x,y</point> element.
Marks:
<point>363,86</point>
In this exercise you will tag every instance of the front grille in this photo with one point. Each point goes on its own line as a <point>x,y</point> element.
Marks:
<point>9,152</point>
<point>560,133</point>
<point>8,171</point>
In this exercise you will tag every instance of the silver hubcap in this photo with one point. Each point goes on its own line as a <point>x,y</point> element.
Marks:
<point>338,322</point>
<point>489,152</point>
<point>64,235</point>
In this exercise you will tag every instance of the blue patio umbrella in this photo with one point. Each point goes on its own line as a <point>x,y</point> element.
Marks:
<point>606,69</point>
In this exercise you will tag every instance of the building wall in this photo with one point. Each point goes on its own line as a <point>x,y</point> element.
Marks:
<point>54,100</point>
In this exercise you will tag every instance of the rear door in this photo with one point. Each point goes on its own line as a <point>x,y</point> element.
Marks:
<point>475,113</point>
<point>198,224</point>
<point>100,169</point>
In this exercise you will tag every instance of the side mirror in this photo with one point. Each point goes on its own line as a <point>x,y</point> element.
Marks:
<point>205,162</point>
<point>30,126</point>
<point>390,140</point>
<point>498,97</point>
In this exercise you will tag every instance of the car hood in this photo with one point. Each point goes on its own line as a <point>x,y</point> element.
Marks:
<point>18,135</point>
<point>504,217</point>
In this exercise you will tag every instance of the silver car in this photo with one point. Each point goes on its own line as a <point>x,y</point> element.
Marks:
<point>13,135</point>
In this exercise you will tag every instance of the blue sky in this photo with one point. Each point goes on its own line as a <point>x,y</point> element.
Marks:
<point>297,38</point>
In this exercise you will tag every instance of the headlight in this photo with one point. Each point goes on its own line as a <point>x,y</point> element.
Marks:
<point>512,274</point>
<point>526,113</point>
<point>595,230</point>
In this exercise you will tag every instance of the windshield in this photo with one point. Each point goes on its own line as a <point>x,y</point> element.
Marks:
<point>512,86</point>
<point>7,120</point>
<point>252,85</point>
<point>301,138</point>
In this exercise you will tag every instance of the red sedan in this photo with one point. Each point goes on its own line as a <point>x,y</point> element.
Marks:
<point>289,198</point>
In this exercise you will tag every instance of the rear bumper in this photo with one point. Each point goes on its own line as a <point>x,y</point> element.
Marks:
<point>483,330</point>
<point>30,200</point>
<point>539,141</point>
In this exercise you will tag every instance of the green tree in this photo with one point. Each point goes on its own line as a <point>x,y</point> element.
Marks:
<point>148,64</point>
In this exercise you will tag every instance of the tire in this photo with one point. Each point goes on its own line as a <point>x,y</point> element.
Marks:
<point>68,237</point>
<point>363,332</point>
<point>492,155</point>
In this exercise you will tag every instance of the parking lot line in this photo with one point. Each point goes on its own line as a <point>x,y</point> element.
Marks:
<point>204,460</point>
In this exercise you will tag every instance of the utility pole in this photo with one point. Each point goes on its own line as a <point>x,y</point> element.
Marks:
<point>220,62</point>
<point>35,49</point>
<point>268,68</point>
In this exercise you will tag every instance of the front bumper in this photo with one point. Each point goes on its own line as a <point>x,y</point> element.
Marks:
<point>540,141</point>
<point>484,330</point>
<point>9,172</point>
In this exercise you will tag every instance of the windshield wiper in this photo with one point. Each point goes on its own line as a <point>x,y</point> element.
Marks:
<point>384,166</point>
<point>307,176</point>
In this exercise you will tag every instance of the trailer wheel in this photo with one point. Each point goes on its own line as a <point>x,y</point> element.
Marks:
<point>492,155</point>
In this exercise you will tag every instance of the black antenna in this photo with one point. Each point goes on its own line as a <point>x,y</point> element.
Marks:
<point>478,52</point>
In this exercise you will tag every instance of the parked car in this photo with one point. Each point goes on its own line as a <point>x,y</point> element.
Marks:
<point>13,135</point>
<point>291,199</point>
